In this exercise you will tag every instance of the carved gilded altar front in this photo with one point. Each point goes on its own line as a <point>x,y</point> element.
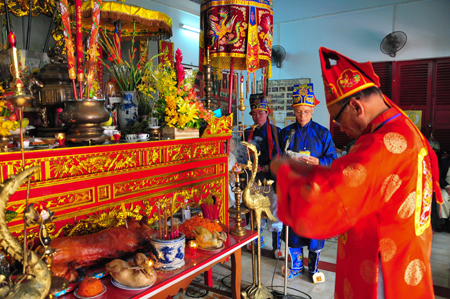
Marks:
<point>96,180</point>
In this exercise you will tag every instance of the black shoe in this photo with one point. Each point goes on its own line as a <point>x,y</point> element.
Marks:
<point>439,228</point>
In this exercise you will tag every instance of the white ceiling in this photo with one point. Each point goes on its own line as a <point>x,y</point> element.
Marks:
<point>184,5</point>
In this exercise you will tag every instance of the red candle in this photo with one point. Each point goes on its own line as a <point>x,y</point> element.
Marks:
<point>192,247</point>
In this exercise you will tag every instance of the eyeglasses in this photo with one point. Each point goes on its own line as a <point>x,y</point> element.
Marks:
<point>335,120</point>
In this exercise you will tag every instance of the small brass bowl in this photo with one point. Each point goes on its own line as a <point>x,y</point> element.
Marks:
<point>48,141</point>
<point>4,140</point>
<point>16,138</point>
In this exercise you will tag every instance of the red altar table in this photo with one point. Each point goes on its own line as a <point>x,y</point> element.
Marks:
<point>89,183</point>
<point>169,283</point>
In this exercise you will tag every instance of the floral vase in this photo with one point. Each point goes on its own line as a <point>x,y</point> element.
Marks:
<point>168,254</point>
<point>128,110</point>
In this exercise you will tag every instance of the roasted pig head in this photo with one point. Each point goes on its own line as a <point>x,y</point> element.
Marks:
<point>82,251</point>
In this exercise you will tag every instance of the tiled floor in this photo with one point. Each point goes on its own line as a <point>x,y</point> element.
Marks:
<point>440,265</point>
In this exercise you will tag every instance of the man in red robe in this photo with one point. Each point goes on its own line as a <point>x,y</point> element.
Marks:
<point>377,198</point>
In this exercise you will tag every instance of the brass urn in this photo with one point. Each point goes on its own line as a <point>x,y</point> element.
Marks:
<point>84,118</point>
<point>57,85</point>
<point>57,89</point>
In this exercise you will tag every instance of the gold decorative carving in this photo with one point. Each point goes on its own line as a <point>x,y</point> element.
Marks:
<point>84,164</point>
<point>15,167</point>
<point>188,152</point>
<point>100,221</point>
<point>20,8</point>
<point>154,156</point>
<point>219,126</point>
<point>104,192</point>
<point>63,169</point>
<point>56,202</point>
<point>195,195</point>
<point>130,187</point>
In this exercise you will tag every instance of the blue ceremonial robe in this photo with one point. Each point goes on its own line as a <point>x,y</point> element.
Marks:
<point>262,144</point>
<point>317,140</point>
<point>312,137</point>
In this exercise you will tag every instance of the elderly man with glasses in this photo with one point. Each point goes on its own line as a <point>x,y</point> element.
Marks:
<point>313,145</point>
<point>377,198</point>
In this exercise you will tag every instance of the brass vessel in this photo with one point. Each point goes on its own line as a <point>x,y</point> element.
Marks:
<point>84,118</point>
<point>57,89</point>
<point>57,85</point>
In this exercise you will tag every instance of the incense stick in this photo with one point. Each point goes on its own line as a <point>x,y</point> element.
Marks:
<point>159,221</point>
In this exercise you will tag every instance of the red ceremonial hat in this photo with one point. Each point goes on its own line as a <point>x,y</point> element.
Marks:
<point>346,77</point>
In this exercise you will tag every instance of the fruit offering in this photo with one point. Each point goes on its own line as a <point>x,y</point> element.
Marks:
<point>8,119</point>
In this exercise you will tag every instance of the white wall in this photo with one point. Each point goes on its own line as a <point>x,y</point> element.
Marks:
<point>355,29</point>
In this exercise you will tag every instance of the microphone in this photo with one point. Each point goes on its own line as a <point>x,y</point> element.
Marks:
<point>289,139</point>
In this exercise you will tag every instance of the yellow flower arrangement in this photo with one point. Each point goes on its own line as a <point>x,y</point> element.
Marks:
<point>146,91</point>
<point>177,105</point>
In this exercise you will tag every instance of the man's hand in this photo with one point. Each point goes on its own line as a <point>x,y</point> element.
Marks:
<point>309,160</point>
<point>265,168</point>
<point>448,190</point>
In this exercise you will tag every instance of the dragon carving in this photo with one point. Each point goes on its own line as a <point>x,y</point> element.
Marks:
<point>39,279</point>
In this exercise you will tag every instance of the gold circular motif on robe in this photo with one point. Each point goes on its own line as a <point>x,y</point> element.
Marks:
<point>369,271</point>
<point>348,290</point>
<point>354,175</point>
<point>408,206</point>
<point>388,248</point>
<point>390,185</point>
<point>395,142</point>
<point>414,272</point>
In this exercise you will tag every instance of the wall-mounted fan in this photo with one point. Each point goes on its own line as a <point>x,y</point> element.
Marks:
<point>278,55</point>
<point>393,42</point>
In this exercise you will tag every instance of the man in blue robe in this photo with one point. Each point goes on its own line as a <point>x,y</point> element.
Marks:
<point>265,137</point>
<point>312,144</point>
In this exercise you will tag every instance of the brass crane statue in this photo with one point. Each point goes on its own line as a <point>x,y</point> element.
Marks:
<point>259,206</point>
<point>39,279</point>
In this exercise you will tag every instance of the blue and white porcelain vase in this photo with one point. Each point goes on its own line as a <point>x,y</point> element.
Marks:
<point>128,110</point>
<point>168,254</point>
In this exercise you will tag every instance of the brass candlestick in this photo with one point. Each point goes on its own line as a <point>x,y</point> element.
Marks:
<point>18,99</point>
<point>207,81</point>
<point>237,230</point>
<point>242,108</point>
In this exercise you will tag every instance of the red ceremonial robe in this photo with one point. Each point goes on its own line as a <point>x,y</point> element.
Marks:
<point>378,199</point>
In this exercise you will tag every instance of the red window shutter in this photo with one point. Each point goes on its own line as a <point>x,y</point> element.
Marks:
<point>413,88</point>
<point>339,138</point>
<point>441,111</point>
<point>384,72</point>
<point>414,83</point>
<point>442,87</point>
